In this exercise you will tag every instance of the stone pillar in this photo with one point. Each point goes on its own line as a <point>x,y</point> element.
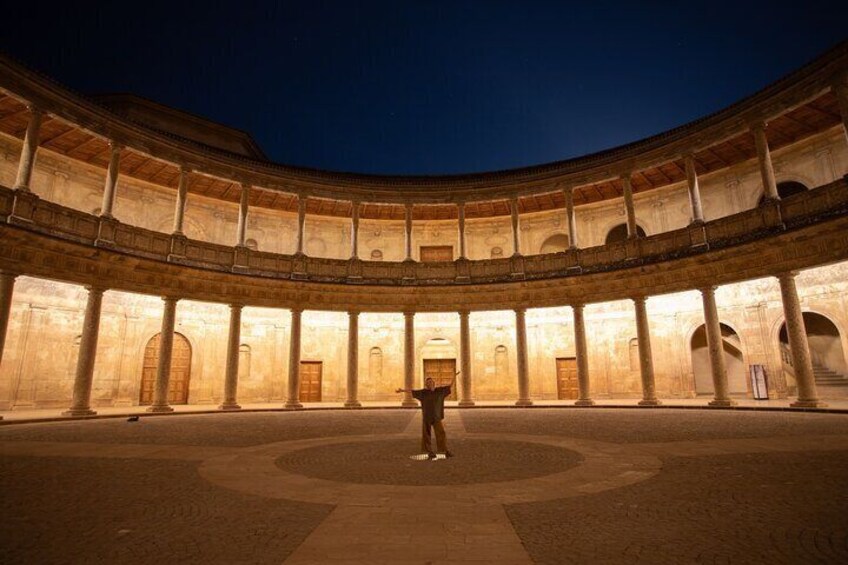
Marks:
<point>111,186</point>
<point>646,362</point>
<point>694,190</point>
<point>764,158</point>
<point>180,206</point>
<point>301,223</point>
<point>81,405</point>
<point>7,289</point>
<point>29,150</point>
<point>571,217</point>
<point>466,398</point>
<point>354,230</point>
<point>241,232</point>
<point>461,216</point>
<point>233,346</point>
<point>521,347</point>
<point>629,207</point>
<point>408,230</point>
<point>353,360</point>
<point>584,396</point>
<point>293,400</point>
<point>516,236</point>
<point>166,346</point>
<point>840,89</point>
<point>715,344</point>
<point>798,344</point>
<point>409,358</point>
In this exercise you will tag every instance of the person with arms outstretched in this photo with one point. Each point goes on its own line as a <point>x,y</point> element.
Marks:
<point>432,399</point>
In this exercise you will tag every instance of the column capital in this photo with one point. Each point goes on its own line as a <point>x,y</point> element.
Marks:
<point>709,289</point>
<point>353,313</point>
<point>236,305</point>
<point>408,314</point>
<point>786,275</point>
<point>301,202</point>
<point>296,310</point>
<point>639,299</point>
<point>34,109</point>
<point>758,125</point>
<point>7,273</point>
<point>169,299</point>
<point>578,306</point>
<point>520,310</point>
<point>96,288</point>
<point>464,313</point>
<point>115,146</point>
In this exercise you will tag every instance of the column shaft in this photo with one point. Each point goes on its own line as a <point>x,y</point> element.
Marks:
<point>354,231</point>
<point>408,357</point>
<point>582,353</point>
<point>301,223</point>
<point>694,190</point>
<point>81,405</point>
<point>7,289</point>
<point>233,347</point>
<point>466,398</point>
<point>629,207</point>
<point>715,345</point>
<point>111,185</point>
<point>646,362</point>
<point>798,344</point>
<point>408,231</point>
<point>521,347</point>
<point>461,217</point>
<point>29,150</point>
<point>516,239</point>
<point>242,217</point>
<point>161,402</point>
<point>180,205</point>
<point>293,400</point>
<point>571,217</point>
<point>353,361</point>
<point>764,158</point>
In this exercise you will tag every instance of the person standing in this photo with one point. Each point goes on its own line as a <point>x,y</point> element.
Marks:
<point>432,399</point>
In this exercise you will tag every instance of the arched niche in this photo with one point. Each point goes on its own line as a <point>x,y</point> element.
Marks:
<point>733,361</point>
<point>554,244</point>
<point>786,189</point>
<point>619,233</point>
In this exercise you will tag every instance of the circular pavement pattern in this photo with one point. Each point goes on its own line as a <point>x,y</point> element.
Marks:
<point>387,462</point>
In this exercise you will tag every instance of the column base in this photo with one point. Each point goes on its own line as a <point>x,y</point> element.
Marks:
<point>524,402</point>
<point>353,404</point>
<point>292,405</point>
<point>79,412</point>
<point>650,402</point>
<point>465,403</point>
<point>163,409</point>
<point>232,406</point>
<point>808,404</point>
<point>409,404</point>
<point>723,403</point>
<point>585,402</point>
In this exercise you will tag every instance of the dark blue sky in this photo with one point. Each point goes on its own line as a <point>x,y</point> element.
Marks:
<point>428,87</point>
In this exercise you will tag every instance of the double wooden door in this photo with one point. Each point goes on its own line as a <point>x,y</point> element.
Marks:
<point>180,374</point>
<point>310,381</point>
<point>567,388</point>
<point>442,371</point>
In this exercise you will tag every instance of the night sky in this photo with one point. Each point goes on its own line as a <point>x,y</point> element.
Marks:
<point>428,87</point>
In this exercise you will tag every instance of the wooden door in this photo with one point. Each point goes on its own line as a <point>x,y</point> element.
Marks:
<point>434,253</point>
<point>180,374</point>
<point>310,381</point>
<point>442,371</point>
<point>567,378</point>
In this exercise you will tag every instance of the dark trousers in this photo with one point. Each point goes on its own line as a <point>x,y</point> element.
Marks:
<point>441,438</point>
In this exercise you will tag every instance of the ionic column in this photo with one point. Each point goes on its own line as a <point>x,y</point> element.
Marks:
<point>694,190</point>
<point>582,354</point>
<point>354,230</point>
<point>571,217</point>
<point>764,158</point>
<point>111,185</point>
<point>353,360</point>
<point>516,239</point>
<point>293,400</point>
<point>166,346</point>
<point>466,398</point>
<point>7,289</point>
<point>301,223</point>
<point>646,362</point>
<point>408,230</point>
<point>241,232</point>
<point>81,405</point>
<point>180,206</point>
<point>521,347</point>
<point>461,215</point>
<point>629,207</point>
<point>408,357</point>
<point>233,346</point>
<point>29,150</point>
<point>799,347</point>
<point>715,344</point>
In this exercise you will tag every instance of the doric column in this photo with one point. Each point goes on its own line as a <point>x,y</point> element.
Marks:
<point>166,346</point>
<point>352,360</point>
<point>408,230</point>
<point>840,89</point>
<point>301,223</point>
<point>516,239</point>
<point>521,347</point>
<point>7,289</point>
<point>582,354</point>
<point>798,345</point>
<point>354,230</point>
<point>466,398</point>
<point>461,216</point>
<point>764,158</point>
<point>293,400</point>
<point>180,206</point>
<point>571,217</point>
<point>646,362</point>
<point>233,346</point>
<point>694,190</point>
<point>81,405</point>
<point>111,186</point>
<point>628,206</point>
<point>29,150</point>
<point>408,357</point>
<point>241,232</point>
<point>715,344</point>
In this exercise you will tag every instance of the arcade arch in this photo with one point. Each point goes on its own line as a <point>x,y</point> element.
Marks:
<point>733,360</point>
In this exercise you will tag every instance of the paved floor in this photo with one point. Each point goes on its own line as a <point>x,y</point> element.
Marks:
<point>545,485</point>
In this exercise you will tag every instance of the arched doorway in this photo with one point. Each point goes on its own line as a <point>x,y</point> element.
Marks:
<point>180,371</point>
<point>439,359</point>
<point>555,243</point>
<point>619,233</point>
<point>786,189</point>
<point>733,361</point>
<point>828,357</point>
